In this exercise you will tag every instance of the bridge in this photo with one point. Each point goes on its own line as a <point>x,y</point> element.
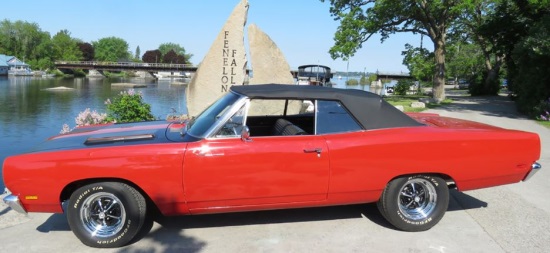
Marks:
<point>66,66</point>
<point>393,76</point>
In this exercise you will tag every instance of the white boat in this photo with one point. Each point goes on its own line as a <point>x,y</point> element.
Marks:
<point>318,75</point>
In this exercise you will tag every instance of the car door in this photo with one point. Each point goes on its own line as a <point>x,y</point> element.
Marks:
<point>265,170</point>
<point>225,170</point>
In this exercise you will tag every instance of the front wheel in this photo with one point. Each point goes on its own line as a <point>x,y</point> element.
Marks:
<point>106,215</point>
<point>414,203</point>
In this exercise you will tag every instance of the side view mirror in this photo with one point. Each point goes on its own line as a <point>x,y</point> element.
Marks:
<point>245,134</point>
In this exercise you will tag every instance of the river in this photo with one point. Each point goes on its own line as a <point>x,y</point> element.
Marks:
<point>30,113</point>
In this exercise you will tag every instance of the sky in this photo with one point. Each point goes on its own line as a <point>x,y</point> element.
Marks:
<point>302,29</point>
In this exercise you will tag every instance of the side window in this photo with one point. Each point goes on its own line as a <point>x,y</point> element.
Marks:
<point>332,117</point>
<point>280,117</point>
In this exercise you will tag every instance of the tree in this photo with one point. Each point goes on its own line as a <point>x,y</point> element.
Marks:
<point>26,41</point>
<point>152,56</point>
<point>111,49</point>
<point>419,61</point>
<point>138,53</point>
<point>360,19</point>
<point>172,57</point>
<point>178,49</point>
<point>464,60</point>
<point>65,47</point>
<point>520,30</point>
<point>466,30</point>
<point>88,53</point>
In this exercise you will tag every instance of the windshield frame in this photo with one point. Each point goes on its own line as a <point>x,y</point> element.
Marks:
<point>213,117</point>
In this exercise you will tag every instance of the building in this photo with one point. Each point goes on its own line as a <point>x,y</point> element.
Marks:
<point>10,65</point>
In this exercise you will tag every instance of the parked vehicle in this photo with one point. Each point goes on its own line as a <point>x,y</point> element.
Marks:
<point>463,84</point>
<point>263,147</point>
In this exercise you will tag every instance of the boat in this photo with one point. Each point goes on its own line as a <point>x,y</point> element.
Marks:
<point>314,74</point>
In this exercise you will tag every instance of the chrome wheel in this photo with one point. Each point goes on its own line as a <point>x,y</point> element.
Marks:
<point>417,199</point>
<point>102,214</point>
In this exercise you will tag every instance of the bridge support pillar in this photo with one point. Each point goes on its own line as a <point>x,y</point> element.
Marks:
<point>95,73</point>
<point>145,74</point>
<point>151,74</point>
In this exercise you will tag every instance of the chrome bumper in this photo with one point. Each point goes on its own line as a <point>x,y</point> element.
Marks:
<point>534,169</point>
<point>14,203</point>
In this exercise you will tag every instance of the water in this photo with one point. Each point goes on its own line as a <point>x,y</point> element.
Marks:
<point>29,113</point>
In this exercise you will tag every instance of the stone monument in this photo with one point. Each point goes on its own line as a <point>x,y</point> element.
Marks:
<point>223,66</point>
<point>268,62</point>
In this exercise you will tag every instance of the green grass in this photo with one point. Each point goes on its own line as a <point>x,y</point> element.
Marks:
<point>544,123</point>
<point>407,100</point>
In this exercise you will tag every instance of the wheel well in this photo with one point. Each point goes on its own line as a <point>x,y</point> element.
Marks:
<point>448,179</point>
<point>70,188</point>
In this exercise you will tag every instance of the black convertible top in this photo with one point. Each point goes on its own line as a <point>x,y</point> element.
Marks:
<point>368,108</point>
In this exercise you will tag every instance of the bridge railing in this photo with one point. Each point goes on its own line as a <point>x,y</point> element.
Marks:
<point>123,64</point>
<point>404,74</point>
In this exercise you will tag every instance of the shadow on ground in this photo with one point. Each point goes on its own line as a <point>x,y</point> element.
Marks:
<point>500,106</point>
<point>170,235</point>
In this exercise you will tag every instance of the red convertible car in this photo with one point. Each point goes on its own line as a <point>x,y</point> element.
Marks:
<point>265,147</point>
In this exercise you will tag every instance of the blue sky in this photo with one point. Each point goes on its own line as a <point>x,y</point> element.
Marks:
<point>303,29</point>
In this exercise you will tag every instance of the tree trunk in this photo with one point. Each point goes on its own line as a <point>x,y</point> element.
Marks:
<point>492,76</point>
<point>439,75</point>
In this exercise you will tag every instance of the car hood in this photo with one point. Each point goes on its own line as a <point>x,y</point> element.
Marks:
<point>151,132</point>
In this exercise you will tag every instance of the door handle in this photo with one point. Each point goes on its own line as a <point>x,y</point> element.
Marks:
<point>314,150</point>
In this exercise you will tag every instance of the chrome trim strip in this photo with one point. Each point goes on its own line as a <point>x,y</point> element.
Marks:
<point>15,204</point>
<point>218,124</point>
<point>100,140</point>
<point>535,167</point>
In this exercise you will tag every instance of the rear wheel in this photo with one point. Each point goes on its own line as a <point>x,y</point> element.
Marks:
<point>414,203</point>
<point>106,215</point>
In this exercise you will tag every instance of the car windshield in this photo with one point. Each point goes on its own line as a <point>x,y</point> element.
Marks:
<point>199,126</point>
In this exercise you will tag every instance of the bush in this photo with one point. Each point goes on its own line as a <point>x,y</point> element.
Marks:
<point>402,87</point>
<point>352,82</point>
<point>86,118</point>
<point>128,106</point>
<point>477,85</point>
<point>532,58</point>
<point>542,110</point>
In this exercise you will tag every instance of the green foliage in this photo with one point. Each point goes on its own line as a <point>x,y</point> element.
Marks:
<point>30,44</point>
<point>79,73</point>
<point>464,60</point>
<point>111,49</point>
<point>26,41</point>
<point>138,53</point>
<point>360,19</point>
<point>372,78</point>
<point>128,106</point>
<point>364,80</point>
<point>521,31</point>
<point>532,57</point>
<point>352,82</point>
<point>177,48</point>
<point>65,48</point>
<point>479,86</point>
<point>402,87</point>
<point>542,110</point>
<point>419,61</point>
